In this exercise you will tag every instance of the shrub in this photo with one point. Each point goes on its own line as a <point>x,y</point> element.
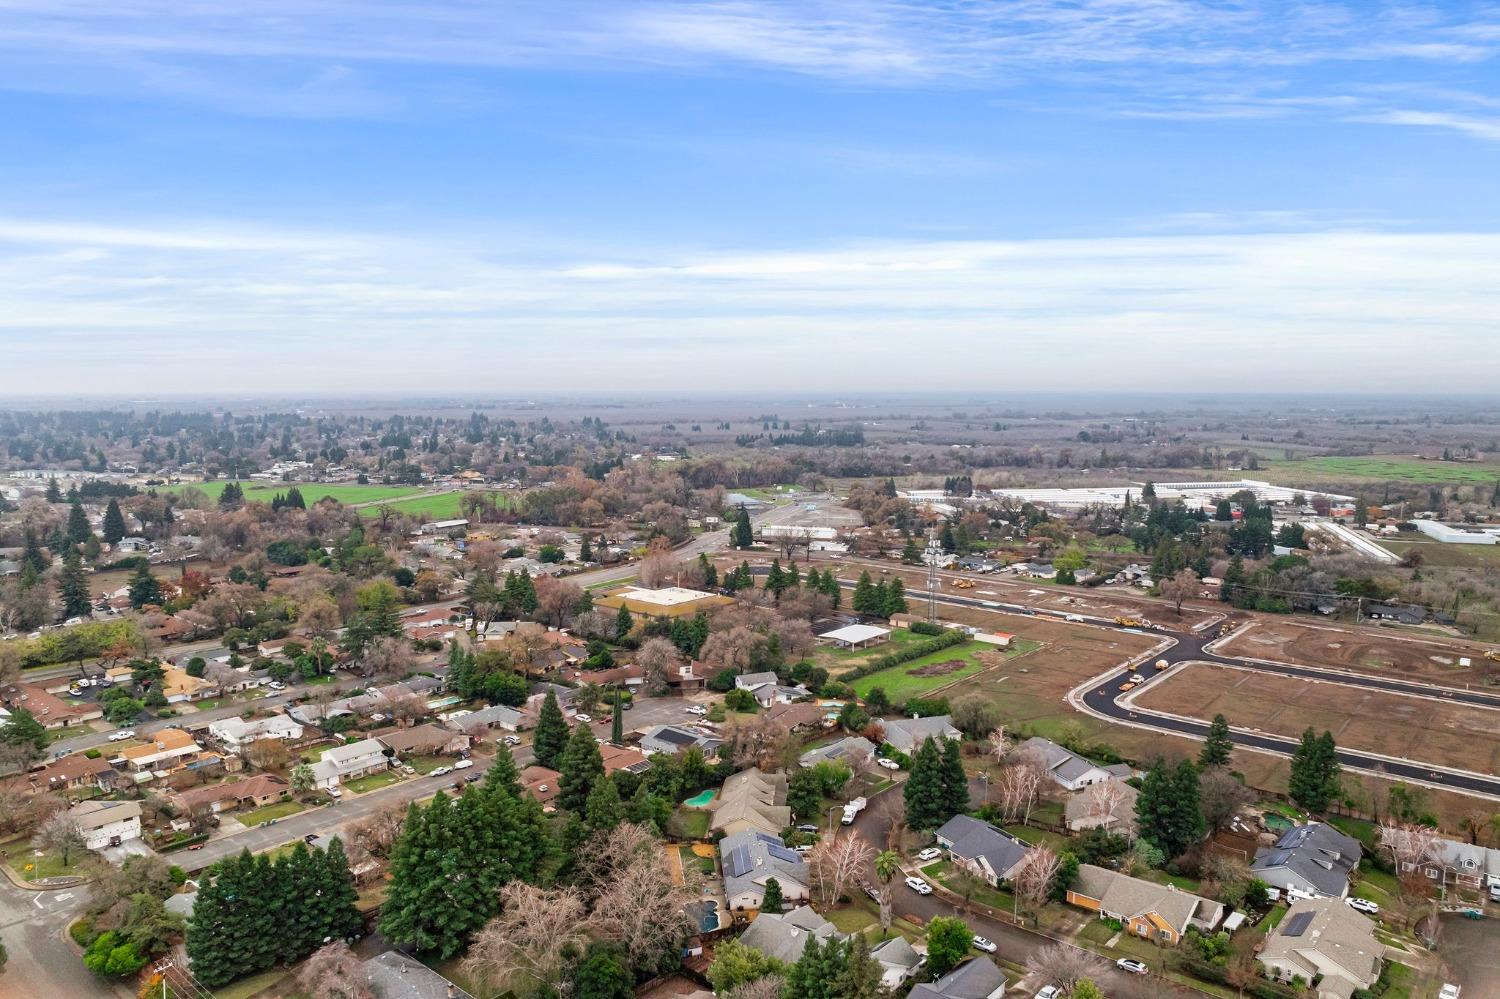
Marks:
<point>111,957</point>
<point>92,754</point>
<point>82,931</point>
<point>924,628</point>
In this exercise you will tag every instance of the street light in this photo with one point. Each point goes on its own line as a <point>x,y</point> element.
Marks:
<point>831,810</point>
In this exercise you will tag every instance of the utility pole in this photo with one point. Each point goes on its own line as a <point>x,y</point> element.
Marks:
<point>934,552</point>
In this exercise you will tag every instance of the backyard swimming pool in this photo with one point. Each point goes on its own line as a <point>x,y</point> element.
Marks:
<point>701,799</point>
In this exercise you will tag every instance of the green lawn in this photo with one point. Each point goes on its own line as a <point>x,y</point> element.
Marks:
<point>689,823</point>
<point>1057,842</point>
<point>899,683</point>
<point>427,764</point>
<point>1163,878</point>
<point>689,858</point>
<point>312,492</point>
<point>49,865</point>
<point>1380,468</point>
<point>373,781</point>
<point>1377,886</point>
<point>942,872</point>
<point>1272,919</point>
<point>855,919</point>
<point>280,810</point>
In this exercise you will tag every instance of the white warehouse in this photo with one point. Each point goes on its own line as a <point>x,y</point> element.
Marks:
<point>1467,534</point>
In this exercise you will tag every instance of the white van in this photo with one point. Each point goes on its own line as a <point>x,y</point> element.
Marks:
<point>463,764</point>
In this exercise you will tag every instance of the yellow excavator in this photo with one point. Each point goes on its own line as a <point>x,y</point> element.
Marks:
<point>963,584</point>
<point>1493,656</point>
<point>1129,622</point>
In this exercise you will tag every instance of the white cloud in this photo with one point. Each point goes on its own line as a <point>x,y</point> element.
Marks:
<point>175,309</point>
<point>1479,127</point>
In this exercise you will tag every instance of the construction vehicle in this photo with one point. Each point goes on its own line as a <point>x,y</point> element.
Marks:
<point>1493,656</point>
<point>1161,664</point>
<point>1130,622</point>
<point>1127,685</point>
<point>963,584</point>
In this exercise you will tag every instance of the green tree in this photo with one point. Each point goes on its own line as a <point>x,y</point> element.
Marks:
<point>862,974</point>
<point>736,964</point>
<point>114,523</point>
<point>604,809</point>
<point>1168,809</point>
<point>1315,773</point>
<point>551,736</point>
<point>144,589</point>
<point>816,973</point>
<point>581,768</point>
<point>887,869</point>
<point>894,601</point>
<point>948,943</point>
<point>617,719</point>
<point>78,524</point>
<point>1085,988</point>
<point>926,800</point>
<point>73,586</point>
<point>624,623</point>
<point>1217,747</point>
<point>503,774</point>
<point>742,535</point>
<point>955,782</point>
<point>24,734</point>
<point>772,900</point>
<point>910,553</point>
<point>603,974</point>
<point>864,595</point>
<point>585,552</point>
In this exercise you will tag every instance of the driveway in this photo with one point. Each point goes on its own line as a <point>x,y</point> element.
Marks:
<point>1471,950</point>
<point>648,711</point>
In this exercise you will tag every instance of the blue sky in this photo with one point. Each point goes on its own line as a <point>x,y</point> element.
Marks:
<point>1148,194</point>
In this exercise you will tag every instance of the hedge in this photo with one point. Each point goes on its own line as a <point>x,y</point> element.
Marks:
<point>914,651</point>
<point>924,628</point>
<point>1266,989</point>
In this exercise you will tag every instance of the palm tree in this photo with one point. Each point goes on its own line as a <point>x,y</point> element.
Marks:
<point>887,867</point>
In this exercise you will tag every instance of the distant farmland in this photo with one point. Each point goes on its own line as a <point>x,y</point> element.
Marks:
<point>1381,468</point>
<point>264,492</point>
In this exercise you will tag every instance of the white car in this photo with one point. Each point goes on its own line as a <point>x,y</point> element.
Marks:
<point>1071,617</point>
<point>697,709</point>
<point>335,792</point>
<point>122,735</point>
<point>586,719</point>
<point>1131,965</point>
<point>441,772</point>
<point>512,740</point>
<point>276,685</point>
<point>463,764</point>
<point>1049,992</point>
<point>1449,991</point>
<point>931,853</point>
<point>1137,678</point>
<point>919,886</point>
<point>1363,905</point>
<point>888,764</point>
<point>985,944</point>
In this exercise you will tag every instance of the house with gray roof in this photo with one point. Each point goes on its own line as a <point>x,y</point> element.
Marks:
<point>1159,913</point>
<point>750,859</point>
<point>988,852</point>
<point>1462,865</point>
<point>1066,768</point>
<point>494,716</point>
<point>1315,860</point>
<point>768,689</point>
<point>1323,940</point>
<point>673,739</point>
<point>393,975</point>
<point>854,750</point>
<point>907,734</point>
<point>980,978</point>
<point>783,936</point>
<point>898,961</point>
<point>751,799</point>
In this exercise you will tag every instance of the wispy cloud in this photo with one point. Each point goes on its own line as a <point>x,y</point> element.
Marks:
<point>202,308</point>
<point>1479,127</point>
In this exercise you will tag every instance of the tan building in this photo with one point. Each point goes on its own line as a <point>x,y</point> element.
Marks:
<point>751,800</point>
<point>168,749</point>
<point>262,789</point>
<point>1160,913</point>
<point>668,601</point>
<point>1324,937</point>
<point>48,709</point>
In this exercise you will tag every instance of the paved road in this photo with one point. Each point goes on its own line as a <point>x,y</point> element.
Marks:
<point>41,959</point>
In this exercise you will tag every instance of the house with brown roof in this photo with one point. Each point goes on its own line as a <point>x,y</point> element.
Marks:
<point>541,783</point>
<point>71,773</point>
<point>51,711</point>
<point>1160,913</point>
<point>751,800</point>
<point>168,749</point>
<point>423,740</point>
<point>262,789</point>
<point>617,758</point>
<point>798,716</point>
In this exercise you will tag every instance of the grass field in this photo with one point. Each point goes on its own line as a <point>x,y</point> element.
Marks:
<point>48,865</point>
<point>264,492</point>
<point>442,506</point>
<point>372,781</point>
<point>280,810</point>
<point>1383,468</point>
<point>899,683</point>
<point>1435,553</point>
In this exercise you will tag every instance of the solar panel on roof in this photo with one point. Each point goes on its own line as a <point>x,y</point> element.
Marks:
<point>782,853</point>
<point>1296,925</point>
<point>738,862</point>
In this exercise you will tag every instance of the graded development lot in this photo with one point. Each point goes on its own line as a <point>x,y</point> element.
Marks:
<point>1445,734</point>
<point>1435,660</point>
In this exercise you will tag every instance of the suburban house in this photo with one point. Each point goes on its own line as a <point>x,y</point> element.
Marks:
<point>1160,913</point>
<point>48,709</point>
<point>236,734</point>
<point>767,689</point>
<point>979,978</point>
<point>796,716</point>
<point>672,739</point>
<point>423,740</point>
<point>898,961</point>
<point>494,716</point>
<point>750,859</point>
<point>855,750</point>
<point>107,823</point>
<point>1315,860</point>
<point>626,758</point>
<point>349,762</point>
<point>1067,769</point>
<point>751,800</point>
<point>1109,806</point>
<point>177,686</point>
<point>1459,865</point>
<point>783,936</point>
<point>1323,939</point>
<point>169,749</point>
<point>71,773</point>
<point>262,789</point>
<point>908,734</point>
<point>984,850</point>
<point>393,975</point>
<point>541,783</point>
<point>855,636</point>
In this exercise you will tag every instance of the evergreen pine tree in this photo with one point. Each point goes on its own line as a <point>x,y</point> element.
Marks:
<point>1188,826</point>
<point>78,524</point>
<point>436,896</point>
<point>742,535</point>
<point>113,522</point>
<point>339,916</point>
<point>144,589</point>
<point>54,492</point>
<point>617,720</point>
<point>924,794</point>
<point>1153,807</point>
<point>864,594</point>
<point>73,586</point>
<point>955,782</point>
<point>503,774</point>
<point>772,900</point>
<point>294,500</point>
<point>1217,747</point>
<point>624,623</point>
<point>816,973</point>
<point>604,810</point>
<point>585,552</point>
<point>910,553</point>
<point>895,599</point>
<point>582,767</point>
<point>551,736</point>
<point>862,977</point>
<point>946,539</point>
<point>774,583</point>
<point>830,587</point>
<point>1234,578</point>
<point>708,570</point>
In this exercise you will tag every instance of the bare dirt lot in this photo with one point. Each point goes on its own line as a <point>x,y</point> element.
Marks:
<point>1435,660</point>
<point>1433,731</point>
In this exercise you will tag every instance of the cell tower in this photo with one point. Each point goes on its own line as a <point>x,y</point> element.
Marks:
<point>932,556</point>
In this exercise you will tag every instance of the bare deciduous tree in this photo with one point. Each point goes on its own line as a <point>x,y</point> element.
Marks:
<point>60,833</point>
<point>1102,806</point>
<point>834,863</point>
<point>1065,966</point>
<point>388,657</point>
<point>639,906</point>
<point>529,944</point>
<point>1033,880</point>
<point>1179,587</point>
<point>660,660</point>
<point>333,972</point>
<point>767,987</point>
<point>377,832</point>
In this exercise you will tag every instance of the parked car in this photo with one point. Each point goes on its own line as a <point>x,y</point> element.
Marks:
<point>473,778</point>
<point>1449,991</point>
<point>334,792</point>
<point>586,719</point>
<point>1362,905</point>
<point>804,848</point>
<point>441,772</point>
<point>310,837</point>
<point>931,853</point>
<point>463,764</point>
<point>889,764</point>
<point>1131,965</point>
<point>985,944</point>
<point>1071,617</point>
<point>1049,992</point>
<point>408,769</point>
<point>919,886</point>
<point>807,827</point>
<point>276,685</point>
<point>122,735</point>
<point>512,740</point>
<point>870,890</point>
<point>697,709</point>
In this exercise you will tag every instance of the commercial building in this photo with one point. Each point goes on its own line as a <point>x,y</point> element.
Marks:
<point>1194,494</point>
<point>668,601</point>
<point>1460,534</point>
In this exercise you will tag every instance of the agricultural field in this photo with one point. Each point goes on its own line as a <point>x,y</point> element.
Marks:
<point>1438,732</point>
<point>264,492</point>
<point>440,506</point>
<point>1379,468</point>
<point>1437,554</point>
<point>1363,651</point>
